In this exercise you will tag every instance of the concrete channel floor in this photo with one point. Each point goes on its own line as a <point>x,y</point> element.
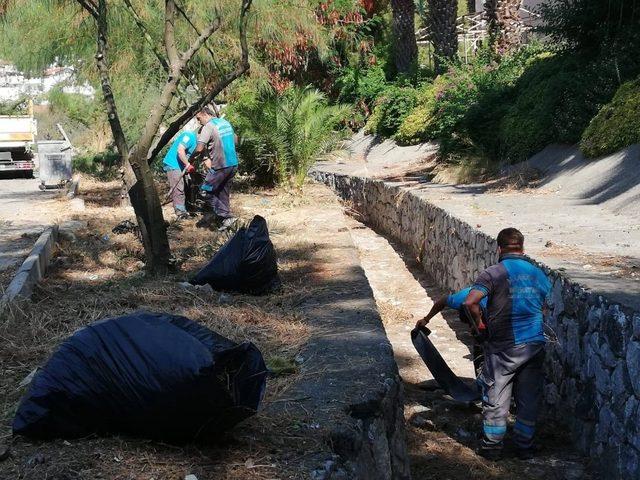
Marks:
<point>582,216</point>
<point>441,433</point>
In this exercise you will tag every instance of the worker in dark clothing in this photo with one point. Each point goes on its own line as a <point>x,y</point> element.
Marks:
<point>517,290</point>
<point>454,301</point>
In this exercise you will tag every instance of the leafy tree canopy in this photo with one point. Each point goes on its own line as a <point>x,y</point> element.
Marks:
<point>35,34</point>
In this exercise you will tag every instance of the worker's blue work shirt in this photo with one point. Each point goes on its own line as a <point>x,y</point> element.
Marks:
<point>218,138</point>
<point>517,291</point>
<point>171,160</point>
<point>455,300</point>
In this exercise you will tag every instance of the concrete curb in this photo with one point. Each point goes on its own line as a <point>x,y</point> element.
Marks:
<point>74,186</point>
<point>32,269</point>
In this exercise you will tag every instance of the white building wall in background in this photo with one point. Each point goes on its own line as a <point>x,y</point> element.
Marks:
<point>14,85</point>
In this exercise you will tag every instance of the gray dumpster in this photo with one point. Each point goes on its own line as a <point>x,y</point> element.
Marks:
<point>55,163</point>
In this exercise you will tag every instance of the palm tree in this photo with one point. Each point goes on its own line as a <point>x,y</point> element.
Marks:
<point>284,134</point>
<point>442,17</point>
<point>504,24</point>
<point>405,48</point>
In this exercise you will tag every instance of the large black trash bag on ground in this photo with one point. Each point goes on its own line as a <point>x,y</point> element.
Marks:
<point>247,263</point>
<point>146,375</point>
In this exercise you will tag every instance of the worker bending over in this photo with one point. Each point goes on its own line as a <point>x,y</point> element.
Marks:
<point>217,142</point>
<point>514,351</point>
<point>175,161</point>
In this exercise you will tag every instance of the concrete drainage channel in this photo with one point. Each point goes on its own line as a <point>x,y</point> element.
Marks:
<point>593,370</point>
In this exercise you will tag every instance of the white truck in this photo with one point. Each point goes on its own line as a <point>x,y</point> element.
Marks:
<point>17,138</point>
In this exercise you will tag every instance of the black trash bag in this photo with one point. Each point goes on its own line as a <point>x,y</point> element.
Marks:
<point>147,375</point>
<point>441,372</point>
<point>247,263</point>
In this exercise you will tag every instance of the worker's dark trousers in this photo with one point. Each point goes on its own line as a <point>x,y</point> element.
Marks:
<point>217,185</point>
<point>517,370</point>
<point>177,195</point>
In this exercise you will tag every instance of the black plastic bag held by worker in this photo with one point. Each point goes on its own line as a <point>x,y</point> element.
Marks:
<point>247,263</point>
<point>441,372</point>
<point>147,375</point>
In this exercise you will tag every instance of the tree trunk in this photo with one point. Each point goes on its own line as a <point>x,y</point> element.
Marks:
<point>405,48</point>
<point>442,16</point>
<point>137,178</point>
<point>505,29</point>
<point>137,174</point>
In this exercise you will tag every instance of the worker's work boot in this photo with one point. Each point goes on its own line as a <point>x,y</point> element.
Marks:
<point>525,453</point>
<point>493,454</point>
<point>208,220</point>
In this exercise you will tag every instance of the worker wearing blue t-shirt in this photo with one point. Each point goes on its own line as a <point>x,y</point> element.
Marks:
<point>518,292</point>
<point>176,159</point>
<point>217,142</point>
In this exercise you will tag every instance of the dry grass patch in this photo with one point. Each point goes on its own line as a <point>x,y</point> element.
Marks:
<point>97,274</point>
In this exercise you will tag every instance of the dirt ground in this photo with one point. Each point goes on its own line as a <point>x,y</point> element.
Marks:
<point>97,274</point>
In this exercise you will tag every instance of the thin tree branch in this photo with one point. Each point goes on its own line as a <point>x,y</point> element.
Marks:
<point>195,28</point>
<point>170,34</point>
<point>90,7</point>
<point>202,38</point>
<point>147,36</point>
<point>242,67</point>
<point>153,46</point>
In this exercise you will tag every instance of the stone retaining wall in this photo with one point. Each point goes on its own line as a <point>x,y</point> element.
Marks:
<point>593,370</point>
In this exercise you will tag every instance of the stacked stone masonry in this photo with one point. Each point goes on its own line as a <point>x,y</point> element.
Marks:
<point>593,369</point>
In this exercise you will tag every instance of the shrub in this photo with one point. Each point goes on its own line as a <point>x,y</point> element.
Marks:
<point>454,93</point>
<point>617,124</point>
<point>104,166</point>
<point>553,102</point>
<point>391,108</point>
<point>591,26</point>
<point>508,111</point>
<point>282,135</point>
<point>373,122</point>
<point>360,84</point>
<point>77,107</point>
<point>476,89</point>
<point>415,127</point>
